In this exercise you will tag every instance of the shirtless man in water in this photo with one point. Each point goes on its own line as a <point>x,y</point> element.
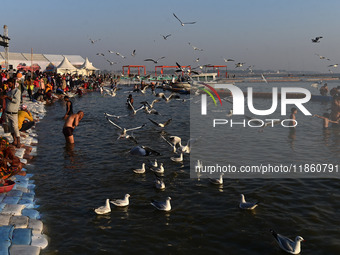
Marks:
<point>71,122</point>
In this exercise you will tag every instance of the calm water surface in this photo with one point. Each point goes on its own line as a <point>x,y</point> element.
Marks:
<point>205,219</point>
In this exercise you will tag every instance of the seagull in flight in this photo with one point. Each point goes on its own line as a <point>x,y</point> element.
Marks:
<point>166,36</point>
<point>287,244</point>
<point>183,23</point>
<point>335,65</point>
<point>133,53</point>
<point>93,41</point>
<point>316,39</point>
<point>118,54</point>
<point>162,125</point>
<point>111,62</point>
<point>100,54</point>
<point>322,57</point>
<point>194,47</point>
<point>133,108</point>
<point>155,61</point>
<point>228,60</point>
<point>124,131</point>
<point>239,64</point>
<point>112,52</point>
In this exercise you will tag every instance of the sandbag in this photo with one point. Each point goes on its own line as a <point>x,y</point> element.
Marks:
<point>6,233</point>
<point>4,245</point>
<point>31,213</point>
<point>14,193</point>
<point>35,225</point>
<point>22,236</point>
<point>24,250</point>
<point>39,240</point>
<point>11,200</point>
<point>19,221</point>
<point>4,219</point>
<point>11,209</point>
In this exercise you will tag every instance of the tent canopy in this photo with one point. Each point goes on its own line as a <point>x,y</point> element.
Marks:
<point>88,65</point>
<point>65,66</point>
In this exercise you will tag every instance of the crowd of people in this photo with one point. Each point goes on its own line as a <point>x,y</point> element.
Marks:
<point>15,117</point>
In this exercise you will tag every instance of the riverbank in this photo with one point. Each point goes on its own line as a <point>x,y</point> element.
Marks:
<point>21,228</point>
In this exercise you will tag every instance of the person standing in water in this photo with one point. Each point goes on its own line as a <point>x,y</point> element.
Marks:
<point>69,107</point>
<point>71,122</point>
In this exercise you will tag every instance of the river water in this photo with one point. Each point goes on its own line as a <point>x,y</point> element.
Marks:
<point>204,219</point>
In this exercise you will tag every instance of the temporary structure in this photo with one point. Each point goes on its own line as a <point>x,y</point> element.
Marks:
<point>87,68</point>
<point>66,67</point>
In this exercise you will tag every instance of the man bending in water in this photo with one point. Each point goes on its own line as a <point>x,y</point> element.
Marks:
<point>71,122</point>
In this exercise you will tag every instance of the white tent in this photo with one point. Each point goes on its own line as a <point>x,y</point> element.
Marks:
<point>66,67</point>
<point>87,68</point>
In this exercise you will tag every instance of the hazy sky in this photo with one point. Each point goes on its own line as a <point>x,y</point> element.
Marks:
<point>270,34</point>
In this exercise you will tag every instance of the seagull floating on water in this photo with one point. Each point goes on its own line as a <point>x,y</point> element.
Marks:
<point>288,245</point>
<point>217,181</point>
<point>178,159</point>
<point>153,164</point>
<point>159,183</point>
<point>162,206</point>
<point>183,23</point>
<point>103,209</point>
<point>140,170</point>
<point>121,202</point>
<point>159,170</point>
<point>247,205</point>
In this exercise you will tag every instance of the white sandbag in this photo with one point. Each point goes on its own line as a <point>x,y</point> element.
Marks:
<point>24,190</point>
<point>19,221</point>
<point>39,240</point>
<point>35,225</point>
<point>4,219</point>
<point>24,250</point>
<point>12,209</point>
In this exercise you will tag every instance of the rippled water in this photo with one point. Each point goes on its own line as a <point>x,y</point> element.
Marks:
<point>205,219</point>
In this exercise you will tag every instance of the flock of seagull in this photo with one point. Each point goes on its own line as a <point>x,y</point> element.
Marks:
<point>157,168</point>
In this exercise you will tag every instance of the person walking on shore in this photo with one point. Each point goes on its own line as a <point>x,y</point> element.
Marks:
<point>12,107</point>
<point>71,122</point>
